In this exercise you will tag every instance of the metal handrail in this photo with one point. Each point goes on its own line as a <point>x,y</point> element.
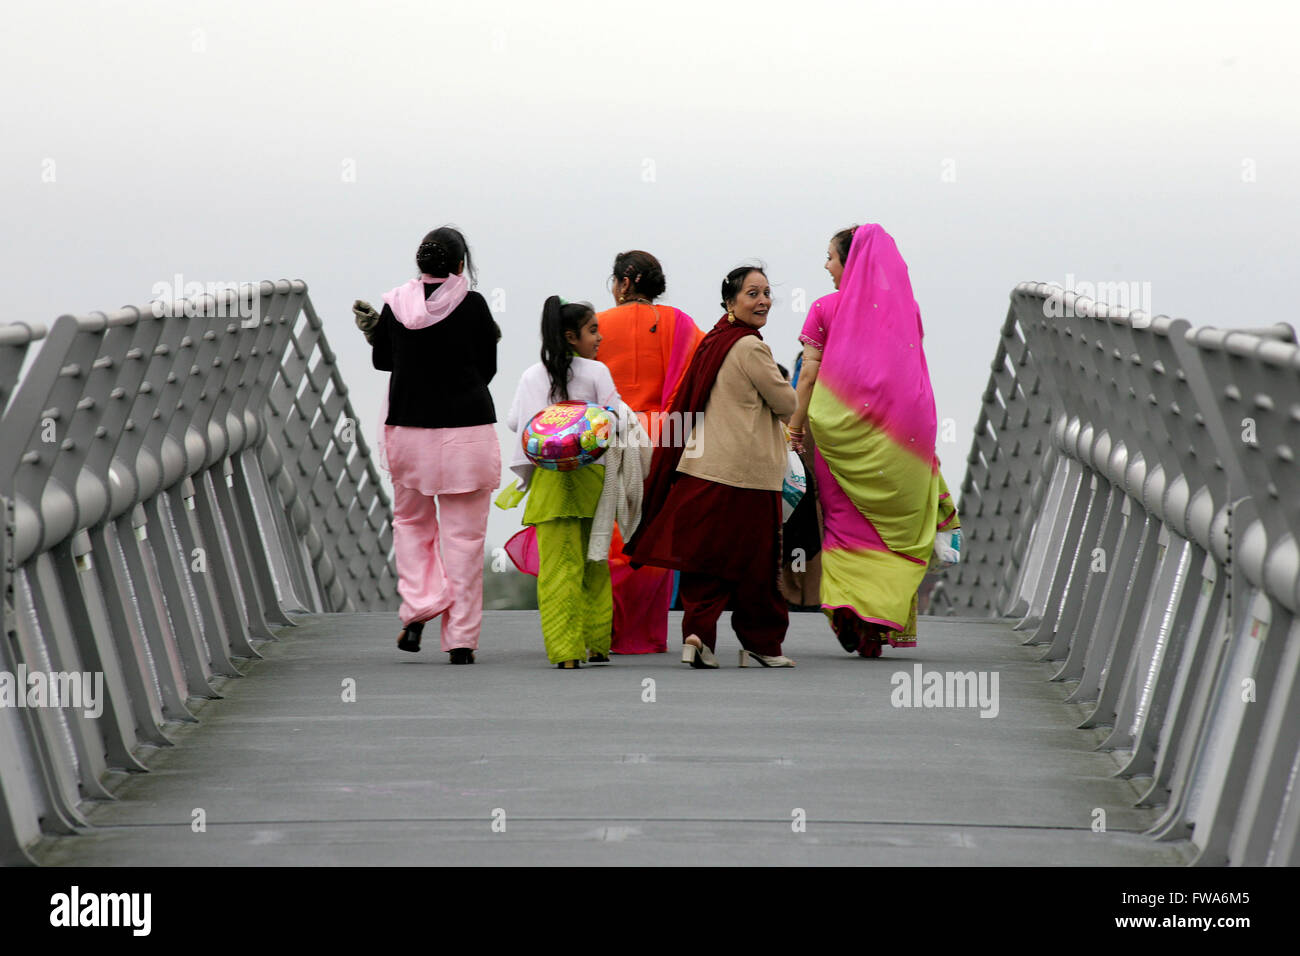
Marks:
<point>1152,550</point>
<point>177,481</point>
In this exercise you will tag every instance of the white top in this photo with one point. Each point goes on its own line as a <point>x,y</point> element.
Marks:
<point>589,381</point>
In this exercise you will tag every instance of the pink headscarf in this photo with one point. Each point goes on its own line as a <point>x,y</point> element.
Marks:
<point>873,360</point>
<point>414,311</point>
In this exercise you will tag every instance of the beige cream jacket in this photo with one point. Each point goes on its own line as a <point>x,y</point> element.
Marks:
<point>739,441</point>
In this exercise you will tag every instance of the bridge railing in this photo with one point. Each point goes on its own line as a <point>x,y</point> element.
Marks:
<point>177,480</point>
<point>1132,496</point>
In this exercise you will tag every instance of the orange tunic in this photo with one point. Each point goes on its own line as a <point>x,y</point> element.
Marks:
<point>644,347</point>
<point>647,350</point>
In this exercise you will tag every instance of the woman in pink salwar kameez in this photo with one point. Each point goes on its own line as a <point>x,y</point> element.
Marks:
<point>437,440</point>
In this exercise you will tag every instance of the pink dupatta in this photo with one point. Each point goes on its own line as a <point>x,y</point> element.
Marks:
<point>686,336</point>
<point>873,359</point>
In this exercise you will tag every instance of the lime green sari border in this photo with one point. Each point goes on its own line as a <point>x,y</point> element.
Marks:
<point>895,490</point>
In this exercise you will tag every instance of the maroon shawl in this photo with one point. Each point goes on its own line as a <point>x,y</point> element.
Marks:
<point>692,396</point>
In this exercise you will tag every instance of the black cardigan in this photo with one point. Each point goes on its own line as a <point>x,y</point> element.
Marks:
<point>440,373</point>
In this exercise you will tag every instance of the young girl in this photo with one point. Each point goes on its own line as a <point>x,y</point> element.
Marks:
<point>573,593</point>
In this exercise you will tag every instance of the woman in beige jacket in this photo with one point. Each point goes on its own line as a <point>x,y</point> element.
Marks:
<point>713,508</point>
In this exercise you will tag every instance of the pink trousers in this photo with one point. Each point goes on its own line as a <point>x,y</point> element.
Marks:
<point>438,545</point>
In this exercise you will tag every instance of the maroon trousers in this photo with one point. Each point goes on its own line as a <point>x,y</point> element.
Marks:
<point>726,542</point>
<point>758,611</point>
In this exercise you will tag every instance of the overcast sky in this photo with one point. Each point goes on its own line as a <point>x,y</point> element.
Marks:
<point>1148,143</point>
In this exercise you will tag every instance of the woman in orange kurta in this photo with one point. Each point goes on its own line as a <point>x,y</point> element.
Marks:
<point>648,348</point>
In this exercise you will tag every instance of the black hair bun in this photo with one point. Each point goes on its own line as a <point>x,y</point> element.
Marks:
<point>432,258</point>
<point>643,271</point>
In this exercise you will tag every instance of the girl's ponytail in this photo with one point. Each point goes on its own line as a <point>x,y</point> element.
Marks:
<point>558,319</point>
<point>556,350</point>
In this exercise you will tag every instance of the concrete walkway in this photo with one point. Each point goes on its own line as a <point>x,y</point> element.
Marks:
<point>579,769</point>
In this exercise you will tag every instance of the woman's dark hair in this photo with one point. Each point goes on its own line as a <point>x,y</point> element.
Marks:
<point>441,251</point>
<point>843,242</point>
<point>644,270</point>
<point>735,281</point>
<point>557,319</point>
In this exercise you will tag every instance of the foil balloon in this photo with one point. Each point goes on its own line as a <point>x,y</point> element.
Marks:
<point>568,435</point>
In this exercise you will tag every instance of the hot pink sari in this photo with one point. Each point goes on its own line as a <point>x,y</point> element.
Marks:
<point>873,418</point>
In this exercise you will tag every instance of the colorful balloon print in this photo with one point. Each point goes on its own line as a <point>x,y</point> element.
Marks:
<point>567,435</point>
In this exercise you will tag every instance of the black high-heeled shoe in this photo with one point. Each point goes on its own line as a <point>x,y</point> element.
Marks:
<point>409,639</point>
<point>462,655</point>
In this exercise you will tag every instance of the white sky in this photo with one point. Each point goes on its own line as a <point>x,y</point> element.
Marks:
<point>1149,143</point>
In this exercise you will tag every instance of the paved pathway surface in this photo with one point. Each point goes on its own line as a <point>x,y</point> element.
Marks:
<point>581,769</point>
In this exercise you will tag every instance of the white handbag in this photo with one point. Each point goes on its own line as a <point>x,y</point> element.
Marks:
<point>794,487</point>
<point>947,547</point>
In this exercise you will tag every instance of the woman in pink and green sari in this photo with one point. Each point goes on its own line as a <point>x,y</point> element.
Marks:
<point>865,393</point>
